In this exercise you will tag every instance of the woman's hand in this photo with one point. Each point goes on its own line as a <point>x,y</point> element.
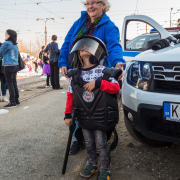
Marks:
<point>68,121</point>
<point>120,66</point>
<point>89,86</point>
<point>64,71</point>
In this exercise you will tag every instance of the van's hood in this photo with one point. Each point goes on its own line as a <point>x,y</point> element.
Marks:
<point>171,53</point>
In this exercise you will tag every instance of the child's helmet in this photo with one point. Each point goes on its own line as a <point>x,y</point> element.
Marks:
<point>90,44</point>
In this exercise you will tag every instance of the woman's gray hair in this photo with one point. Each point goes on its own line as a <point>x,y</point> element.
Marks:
<point>107,4</point>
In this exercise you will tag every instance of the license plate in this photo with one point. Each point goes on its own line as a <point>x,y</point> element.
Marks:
<point>172,111</point>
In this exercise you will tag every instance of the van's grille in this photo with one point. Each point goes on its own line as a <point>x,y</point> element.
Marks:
<point>166,77</point>
<point>163,127</point>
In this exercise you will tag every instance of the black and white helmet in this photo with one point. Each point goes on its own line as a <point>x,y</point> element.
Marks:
<point>90,44</point>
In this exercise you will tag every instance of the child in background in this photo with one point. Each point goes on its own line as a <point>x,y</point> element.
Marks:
<point>39,64</point>
<point>46,68</point>
<point>30,66</point>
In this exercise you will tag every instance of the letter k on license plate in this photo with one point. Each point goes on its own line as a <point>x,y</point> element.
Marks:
<point>172,111</point>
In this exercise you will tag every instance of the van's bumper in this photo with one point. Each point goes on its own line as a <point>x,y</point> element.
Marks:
<point>149,121</point>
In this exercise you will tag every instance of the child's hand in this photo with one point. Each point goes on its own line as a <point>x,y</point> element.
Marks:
<point>68,121</point>
<point>48,62</point>
<point>89,86</point>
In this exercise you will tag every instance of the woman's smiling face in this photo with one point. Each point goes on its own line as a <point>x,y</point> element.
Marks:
<point>94,9</point>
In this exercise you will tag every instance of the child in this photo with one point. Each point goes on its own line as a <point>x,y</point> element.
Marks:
<point>92,92</point>
<point>46,68</point>
<point>30,66</point>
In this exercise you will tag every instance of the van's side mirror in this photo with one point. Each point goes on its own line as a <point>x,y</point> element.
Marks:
<point>150,43</point>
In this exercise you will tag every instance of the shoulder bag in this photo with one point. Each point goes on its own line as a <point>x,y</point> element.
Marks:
<point>21,63</point>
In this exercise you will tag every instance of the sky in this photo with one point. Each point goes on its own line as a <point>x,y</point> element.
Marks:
<point>22,15</point>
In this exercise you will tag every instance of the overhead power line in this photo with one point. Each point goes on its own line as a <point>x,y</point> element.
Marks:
<point>33,2</point>
<point>50,11</point>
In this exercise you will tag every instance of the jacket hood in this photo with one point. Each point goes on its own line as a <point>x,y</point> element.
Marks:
<point>104,19</point>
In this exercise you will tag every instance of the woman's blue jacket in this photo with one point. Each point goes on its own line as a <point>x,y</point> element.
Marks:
<point>105,30</point>
<point>9,52</point>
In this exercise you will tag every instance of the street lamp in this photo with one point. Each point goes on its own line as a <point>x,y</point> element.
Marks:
<point>45,20</point>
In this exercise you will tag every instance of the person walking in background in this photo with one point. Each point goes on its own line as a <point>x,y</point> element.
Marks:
<point>41,53</point>
<point>3,82</point>
<point>41,56</point>
<point>46,68</point>
<point>36,66</point>
<point>9,52</point>
<point>39,64</point>
<point>30,66</point>
<point>53,49</point>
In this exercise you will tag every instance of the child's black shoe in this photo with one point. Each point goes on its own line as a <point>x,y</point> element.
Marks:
<point>104,175</point>
<point>76,147</point>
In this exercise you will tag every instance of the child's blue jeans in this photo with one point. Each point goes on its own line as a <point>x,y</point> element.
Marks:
<point>95,139</point>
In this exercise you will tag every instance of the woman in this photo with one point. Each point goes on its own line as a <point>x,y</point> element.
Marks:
<point>93,22</point>
<point>9,52</point>
<point>53,49</point>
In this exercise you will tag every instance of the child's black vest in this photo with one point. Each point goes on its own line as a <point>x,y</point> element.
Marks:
<point>96,110</point>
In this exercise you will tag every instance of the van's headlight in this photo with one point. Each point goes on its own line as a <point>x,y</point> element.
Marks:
<point>139,75</point>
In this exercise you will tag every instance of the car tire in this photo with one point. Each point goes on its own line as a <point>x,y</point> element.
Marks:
<point>141,138</point>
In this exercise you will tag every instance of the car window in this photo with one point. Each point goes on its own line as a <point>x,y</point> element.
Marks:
<point>157,36</point>
<point>137,35</point>
<point>139,43</point>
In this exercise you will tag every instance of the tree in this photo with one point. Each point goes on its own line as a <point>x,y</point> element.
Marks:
<point>22,46</point>
<point>33,48</point>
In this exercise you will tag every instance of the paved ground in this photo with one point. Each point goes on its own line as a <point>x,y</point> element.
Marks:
<point>33,142</point>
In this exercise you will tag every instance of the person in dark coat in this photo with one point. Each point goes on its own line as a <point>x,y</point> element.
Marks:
<point>53,49</point>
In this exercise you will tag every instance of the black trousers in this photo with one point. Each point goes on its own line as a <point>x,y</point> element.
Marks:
<point>54,75</point>
<point>10,73</point>
<point>47,80</point>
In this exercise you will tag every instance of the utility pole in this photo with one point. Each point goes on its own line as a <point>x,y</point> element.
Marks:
<point>45,20</point>
<point>170,15</point>
<point>45,34</point>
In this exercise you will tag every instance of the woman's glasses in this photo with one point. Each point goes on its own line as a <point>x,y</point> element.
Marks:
<point>92,4</point>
